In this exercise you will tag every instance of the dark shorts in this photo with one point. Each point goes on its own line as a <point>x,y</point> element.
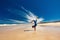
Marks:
<point>34,26</point>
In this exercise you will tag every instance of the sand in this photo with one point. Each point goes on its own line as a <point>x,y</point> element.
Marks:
<point>50,31</point>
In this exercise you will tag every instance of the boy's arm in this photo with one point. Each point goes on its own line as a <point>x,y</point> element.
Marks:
<point>31,21</point>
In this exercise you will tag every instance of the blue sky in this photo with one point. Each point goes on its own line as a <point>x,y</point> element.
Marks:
<point>48,9</point>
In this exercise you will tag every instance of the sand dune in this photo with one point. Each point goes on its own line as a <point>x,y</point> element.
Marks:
<point>48,31</point>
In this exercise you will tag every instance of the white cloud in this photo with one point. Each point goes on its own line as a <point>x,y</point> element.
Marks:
<point>16,21</point>
<point>31,16</point>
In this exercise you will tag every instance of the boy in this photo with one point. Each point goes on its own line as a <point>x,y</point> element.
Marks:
<point>35,24</point>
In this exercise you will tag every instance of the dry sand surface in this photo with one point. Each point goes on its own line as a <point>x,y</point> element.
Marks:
<point>50,31</point>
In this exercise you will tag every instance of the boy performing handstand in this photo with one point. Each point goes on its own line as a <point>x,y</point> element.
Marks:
<point>35,24</point>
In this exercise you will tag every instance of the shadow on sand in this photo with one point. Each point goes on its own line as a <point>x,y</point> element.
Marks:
<point>27,30</point>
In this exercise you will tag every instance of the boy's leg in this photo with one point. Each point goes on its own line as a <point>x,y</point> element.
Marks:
<point>34,28</point>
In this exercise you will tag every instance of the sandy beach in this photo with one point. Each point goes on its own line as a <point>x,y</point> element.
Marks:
<point>46,31</point>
